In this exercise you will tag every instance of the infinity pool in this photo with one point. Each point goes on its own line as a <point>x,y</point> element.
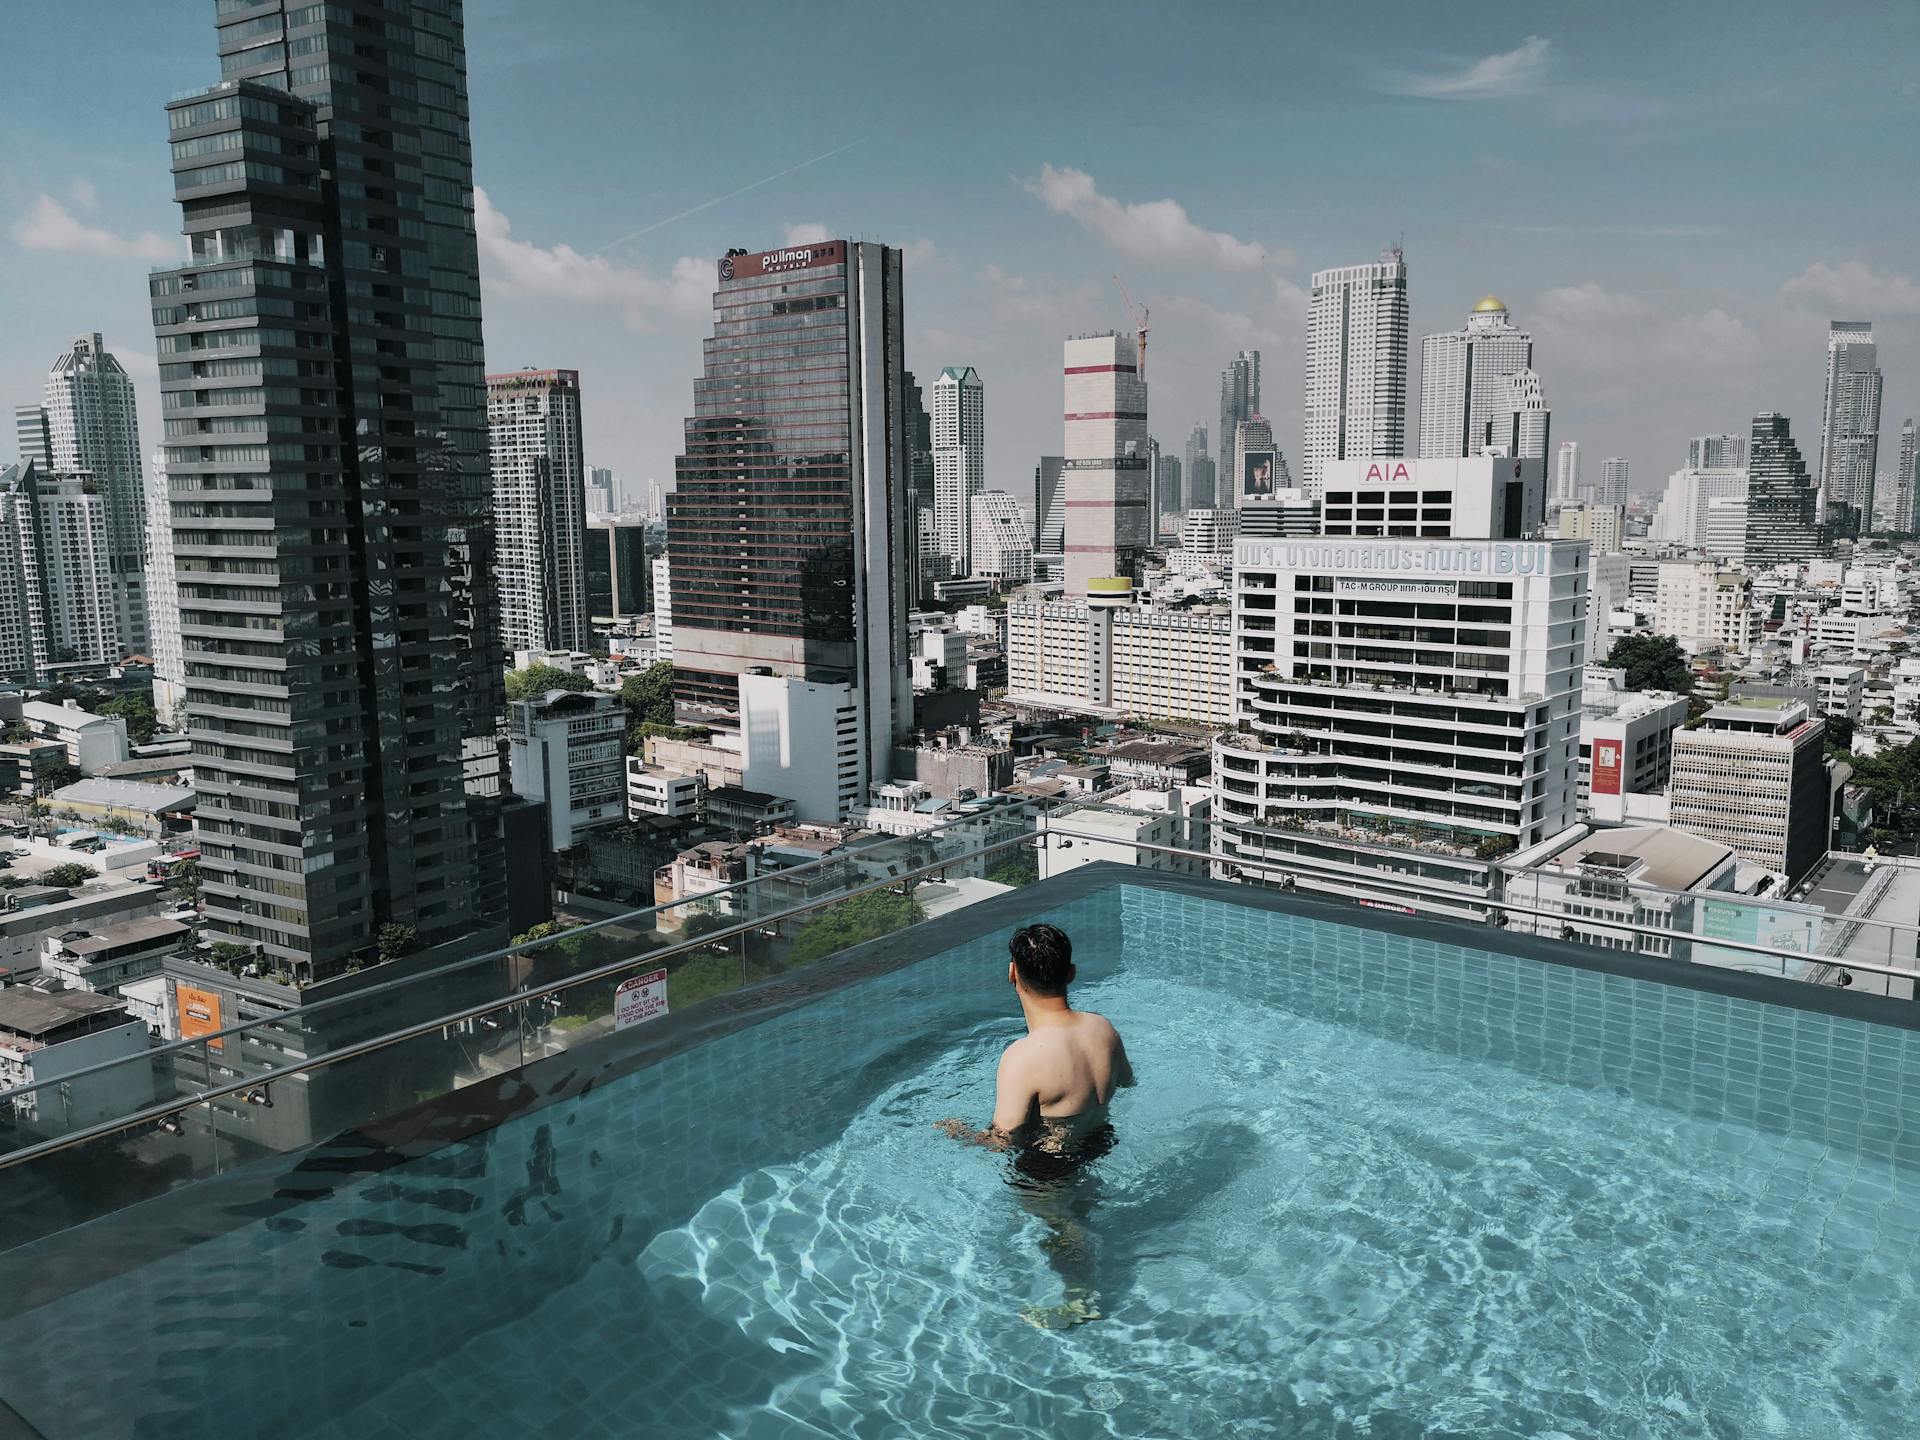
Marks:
<point>1369,1186</point>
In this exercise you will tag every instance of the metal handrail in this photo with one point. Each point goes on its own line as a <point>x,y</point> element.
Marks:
<point>1396,888</point>
<point>358,1048</point>
<point>488,957</point>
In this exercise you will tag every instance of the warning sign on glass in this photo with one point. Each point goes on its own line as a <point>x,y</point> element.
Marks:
<point>644,997</point>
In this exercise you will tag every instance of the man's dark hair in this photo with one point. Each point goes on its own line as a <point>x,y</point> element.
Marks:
<point>1043,956</point>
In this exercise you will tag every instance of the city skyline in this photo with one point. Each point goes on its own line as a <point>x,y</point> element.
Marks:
<point>1622,277</point>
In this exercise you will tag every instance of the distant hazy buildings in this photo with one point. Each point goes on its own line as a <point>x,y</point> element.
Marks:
<point>1357,336</point>
<point>1613,488</point>
<point>1169,491</point>
<point>1698,498</point>
<point>1899,507</point>
<point>92,436</point>
<point>1566,471</point>
<point>1199,472</point>
<point>1521,425</point>
<point>539,509</point>
<point>1050,505</point>
<point>1239,400</point>
<point>1849,428</point>
<point>1108,528</point>
<point>959,413</point>
<point>1782,501</point>
<point>1717,452</point>
<point>1462,381</point>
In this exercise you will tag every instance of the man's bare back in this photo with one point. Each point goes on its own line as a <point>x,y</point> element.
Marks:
<point>1054,1083</point>
<point>1050,1109</point>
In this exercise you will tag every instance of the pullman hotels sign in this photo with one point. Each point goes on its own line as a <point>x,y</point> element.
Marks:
<point>773,262</point>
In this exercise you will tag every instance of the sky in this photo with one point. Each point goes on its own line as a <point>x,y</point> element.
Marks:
<point>1674,199</point>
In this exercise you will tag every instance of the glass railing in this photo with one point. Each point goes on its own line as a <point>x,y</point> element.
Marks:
<point>237,1076</point>
<point>110,1134</point>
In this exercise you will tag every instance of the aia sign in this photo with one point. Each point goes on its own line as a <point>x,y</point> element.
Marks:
<point>1388,473</point>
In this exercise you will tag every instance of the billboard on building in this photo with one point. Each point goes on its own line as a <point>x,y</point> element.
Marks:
<point>199,1013</point>
<point>1256,474</point>
<point>1606,767</point>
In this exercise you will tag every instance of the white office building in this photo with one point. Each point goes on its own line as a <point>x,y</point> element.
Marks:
<point>539,509</point>
<point>1483,496</point>
<point>800,740</point>
<point>652,790</point>
<point>1144,661</point>
<point>1753,776</point>
<point>959,462</point>
<point>1002,543</point>
<point>1717,452</point>
<point>1566,471</point>
<point>1522,424</point>
<point>1840,687</point>
<point>163,602</point>
<point>1403,707</point>
<point>1357,334</point>
<point>1105,475</point>
<point>1626,742</point>
<point>1463,376</point>
<point>1614,475</point>
<point>93,435</point>
<point>662,609</point>
<point>568,749</point>
<point>1603,525</point>
<point>1704,606</point>
<point>1682,514</point>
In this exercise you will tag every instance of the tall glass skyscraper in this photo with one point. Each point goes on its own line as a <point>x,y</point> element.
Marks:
<point>1463,381</point>
<point>1850,427</point>
<point>787,526</point>
<point>1356,405</point>
<point>322,375</point>
<point>1239,400</point>
<point>1782,525</point>
<point>92,436</point>
<point>540,509</point>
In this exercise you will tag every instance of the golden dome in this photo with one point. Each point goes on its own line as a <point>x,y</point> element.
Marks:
<point>1489,305</point>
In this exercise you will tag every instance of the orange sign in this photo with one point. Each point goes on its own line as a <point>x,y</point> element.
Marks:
<point>199,1013</point>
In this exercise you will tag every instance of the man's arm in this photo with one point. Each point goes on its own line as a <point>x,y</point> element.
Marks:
<point>1013,1096</point>
<point>1122,1067</point>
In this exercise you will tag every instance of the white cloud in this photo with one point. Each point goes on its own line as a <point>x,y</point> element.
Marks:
<point>1608,329</point>
<point>562,273</point>
<point>1496,77</point>
<point>1158,230</point>
<point>806,234</point>
<point>1851,290</point>
<point>49,225</point>
<point>918,252</point>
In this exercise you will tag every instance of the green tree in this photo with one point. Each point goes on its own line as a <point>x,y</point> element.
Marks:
<point>395,940</point>
<point>851,922</point>
<point>1652,662</point>
<point>1892,778</point>
<point>58,777</point>
<point>1840,737</point>
<point>225,952</point>
<point>184,881</point>
<point>69,875</point>
<point>1020,870</point>
<point>137,711</point>
<point>537,680</point>
<point>648,697</point>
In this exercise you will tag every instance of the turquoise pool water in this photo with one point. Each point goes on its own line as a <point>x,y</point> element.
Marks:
<point>1368,1186</point>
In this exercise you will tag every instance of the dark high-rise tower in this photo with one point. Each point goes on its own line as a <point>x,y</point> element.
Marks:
<point>1239,400</point>
<point>787,526</point>
<point>1781,499</point>
<point>321,364</point>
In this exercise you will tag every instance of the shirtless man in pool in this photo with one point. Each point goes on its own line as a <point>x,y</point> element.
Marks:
<point>1050,1105</point>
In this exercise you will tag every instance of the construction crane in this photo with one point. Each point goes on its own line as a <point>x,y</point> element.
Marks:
<point>1139,323</point>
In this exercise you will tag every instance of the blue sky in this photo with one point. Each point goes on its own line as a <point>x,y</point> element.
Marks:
<point>1675,199</point>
